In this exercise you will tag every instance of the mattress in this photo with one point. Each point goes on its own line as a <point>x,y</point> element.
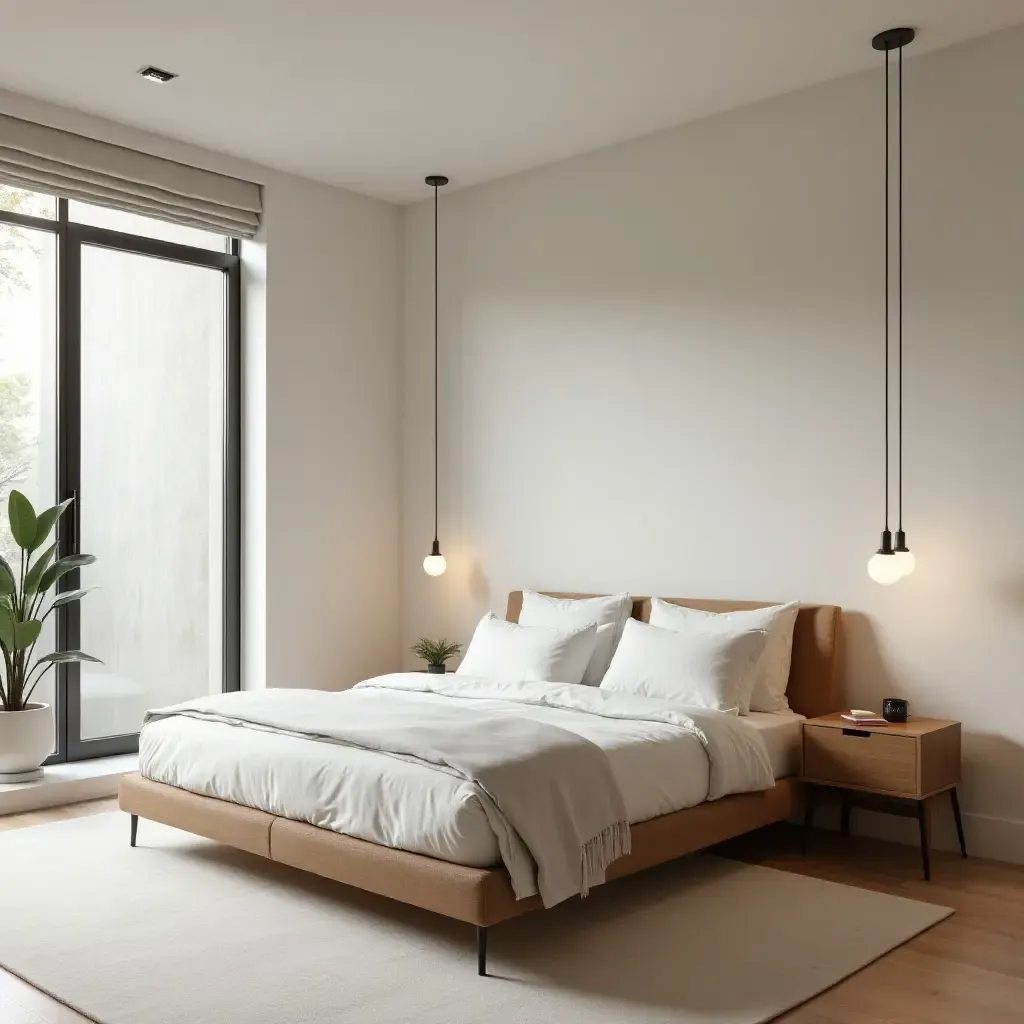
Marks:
<point>782,733</point>
<point>404,803</point>
<point>415,808</point>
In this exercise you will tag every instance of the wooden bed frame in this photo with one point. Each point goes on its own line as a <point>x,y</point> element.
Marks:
<point>483,896</point>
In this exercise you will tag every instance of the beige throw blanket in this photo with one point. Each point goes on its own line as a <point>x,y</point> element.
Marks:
<point>549,794</point>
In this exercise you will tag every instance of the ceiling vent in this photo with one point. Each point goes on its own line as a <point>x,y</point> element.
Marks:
<point>152,74</point>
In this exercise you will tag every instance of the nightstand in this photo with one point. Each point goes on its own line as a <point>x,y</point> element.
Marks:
<point>898,768</point>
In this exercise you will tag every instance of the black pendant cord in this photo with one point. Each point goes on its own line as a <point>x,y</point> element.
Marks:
<point>899,300</point>
<point>435,181</point>
<point>893,39</point>
<point>886,55</point>
<point>435,367</point>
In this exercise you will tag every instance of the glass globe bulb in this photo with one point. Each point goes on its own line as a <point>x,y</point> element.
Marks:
<point>434,565</point>
<point>906,562</point>
<point>884,569</point>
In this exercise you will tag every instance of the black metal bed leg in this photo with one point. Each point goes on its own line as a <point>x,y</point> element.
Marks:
<point>135,827</point>
<point>481,951</point>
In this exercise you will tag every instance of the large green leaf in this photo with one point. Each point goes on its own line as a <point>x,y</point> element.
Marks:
<point>64,657</point>
<point>62,568</point>
<point>23,520</point>
<point>69,596</point>
<point>26,633</point>
<point>38,568</point>
<point>6,627</point>
<point>45,522</point>
<point>6,577</point>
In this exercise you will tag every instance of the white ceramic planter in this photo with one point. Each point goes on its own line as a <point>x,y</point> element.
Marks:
<point>26,740</point>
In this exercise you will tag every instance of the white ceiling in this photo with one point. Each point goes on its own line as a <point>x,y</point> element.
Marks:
<point>373,94</point>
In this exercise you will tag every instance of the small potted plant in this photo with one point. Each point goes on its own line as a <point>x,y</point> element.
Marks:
<point>435,653</point>
<point>26,728</point>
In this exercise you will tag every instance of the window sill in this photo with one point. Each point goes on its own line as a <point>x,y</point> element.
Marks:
<point>68,784</point>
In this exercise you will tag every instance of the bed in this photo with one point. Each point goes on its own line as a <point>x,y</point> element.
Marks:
<point>455,871</point>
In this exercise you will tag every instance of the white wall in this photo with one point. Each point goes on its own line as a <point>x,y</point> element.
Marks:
<point>321,421</point>
<point>332,436</point>
<point>661,372</point>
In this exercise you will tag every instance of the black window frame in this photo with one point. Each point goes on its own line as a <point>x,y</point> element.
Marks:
<point>70,238</point>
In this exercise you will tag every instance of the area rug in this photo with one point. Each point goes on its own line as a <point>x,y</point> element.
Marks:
<point>184,930</point>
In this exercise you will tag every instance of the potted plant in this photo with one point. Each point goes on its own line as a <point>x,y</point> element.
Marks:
<point>435,653</point>
<point>26,728</point>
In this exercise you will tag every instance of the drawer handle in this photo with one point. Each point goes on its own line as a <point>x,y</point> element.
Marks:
<point>857,732</point>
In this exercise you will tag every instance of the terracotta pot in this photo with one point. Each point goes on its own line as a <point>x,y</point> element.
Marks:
<point>26,740</point>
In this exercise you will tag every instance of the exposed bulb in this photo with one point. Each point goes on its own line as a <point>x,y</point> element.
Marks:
<point>905,561</point>
<point>884,569</point>
<point>434,565</point>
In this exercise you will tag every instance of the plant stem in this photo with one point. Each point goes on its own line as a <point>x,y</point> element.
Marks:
<point>16,677</point>
<point>9,672</point>
<point>21,589</point>
<point>32,689</point>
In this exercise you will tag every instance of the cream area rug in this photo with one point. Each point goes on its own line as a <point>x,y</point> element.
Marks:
<point>184,930</point>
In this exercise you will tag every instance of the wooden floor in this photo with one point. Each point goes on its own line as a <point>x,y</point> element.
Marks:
<point>969,969</point>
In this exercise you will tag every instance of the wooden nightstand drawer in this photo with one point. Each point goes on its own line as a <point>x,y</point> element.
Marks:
<point>899,767</point>
<point>877,761</point>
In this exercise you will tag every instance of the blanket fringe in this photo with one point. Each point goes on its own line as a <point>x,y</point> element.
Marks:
<point>608,845</point>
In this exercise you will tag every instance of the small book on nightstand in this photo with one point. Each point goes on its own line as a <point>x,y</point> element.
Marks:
<point>863,717</point>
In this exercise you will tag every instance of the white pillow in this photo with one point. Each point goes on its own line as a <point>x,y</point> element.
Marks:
<point>507,651</point>
<point>771,674</point>
<point>609,614</point>
<point>701,669</point>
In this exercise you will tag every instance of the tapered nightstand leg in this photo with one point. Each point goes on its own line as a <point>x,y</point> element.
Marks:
<point>135,827</point>
<point>955,800</point>
<point>922,821</point>
<point>844,820</point>
<point>812,795</point>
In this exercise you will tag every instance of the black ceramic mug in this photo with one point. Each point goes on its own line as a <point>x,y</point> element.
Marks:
<point>895,709</point>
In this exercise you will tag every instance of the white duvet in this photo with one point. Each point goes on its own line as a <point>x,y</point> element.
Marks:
<point>664,758</point>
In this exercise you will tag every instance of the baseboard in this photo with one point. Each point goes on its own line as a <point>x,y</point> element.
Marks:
<point>995,838</point>
<point>68,784</point>
<point>986,836</point>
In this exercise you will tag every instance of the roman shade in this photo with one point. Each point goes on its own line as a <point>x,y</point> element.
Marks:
<point>44,159</point>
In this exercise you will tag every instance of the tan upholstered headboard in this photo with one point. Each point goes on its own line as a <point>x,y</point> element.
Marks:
<point>814,674</point>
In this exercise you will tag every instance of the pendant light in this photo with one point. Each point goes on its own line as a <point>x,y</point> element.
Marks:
<point>434,564</point>
<point>904,556</point>
<point>891,563</point>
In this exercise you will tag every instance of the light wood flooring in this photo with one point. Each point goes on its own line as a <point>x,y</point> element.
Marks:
<point>969,969</point>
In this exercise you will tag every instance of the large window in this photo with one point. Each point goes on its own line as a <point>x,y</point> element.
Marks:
<point>119,386</point>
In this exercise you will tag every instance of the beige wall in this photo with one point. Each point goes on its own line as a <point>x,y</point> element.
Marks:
<point>332,436</point>
<point>661,371</point>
